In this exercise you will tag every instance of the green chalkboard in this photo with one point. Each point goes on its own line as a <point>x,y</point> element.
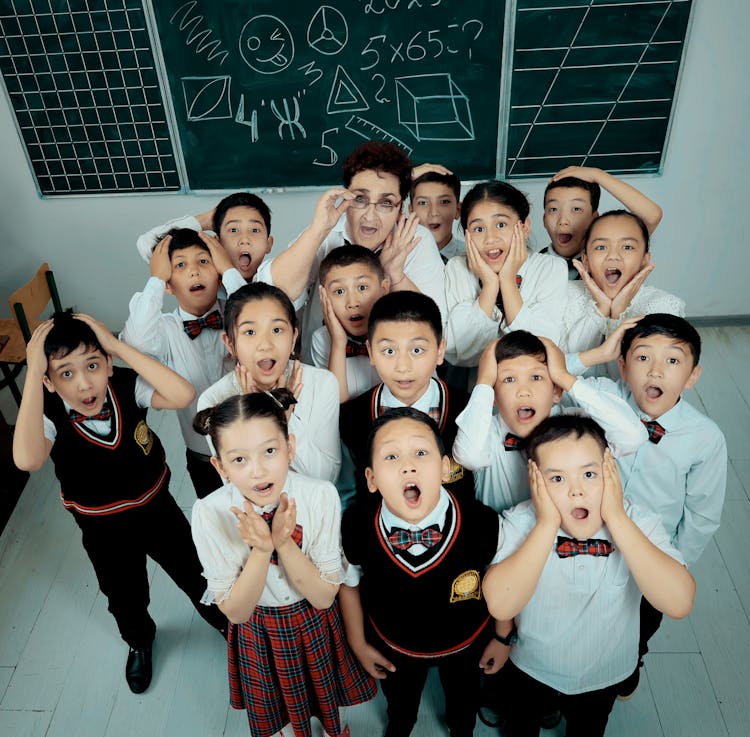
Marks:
<point>593,84</point>
<point>83,84</point>
<point>272,94</point>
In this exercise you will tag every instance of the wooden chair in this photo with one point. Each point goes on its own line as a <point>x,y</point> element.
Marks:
<point>27,304</point>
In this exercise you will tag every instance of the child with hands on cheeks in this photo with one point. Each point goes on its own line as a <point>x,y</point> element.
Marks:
<point>571,569</point>
<point>526,380</point>
<point>191,266</point>
<point>499,286</point>
<point>367,211</point>
<point>614,265</point>
<point>260,330</point>
<point>351,281</point>
<point>412,598</point>
<point>90,418</point>
<point>269,544</point>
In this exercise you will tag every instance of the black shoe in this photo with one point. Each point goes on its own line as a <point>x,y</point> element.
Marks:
<point>551,719</point>
<point>626,688</point>
<point>138,669</point>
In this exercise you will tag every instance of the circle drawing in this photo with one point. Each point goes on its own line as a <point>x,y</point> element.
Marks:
<point>266,44</point>
<point>328,31</point>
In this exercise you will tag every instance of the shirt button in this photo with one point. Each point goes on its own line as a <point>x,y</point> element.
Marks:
<point>286,598</point>
<point>580,568</point>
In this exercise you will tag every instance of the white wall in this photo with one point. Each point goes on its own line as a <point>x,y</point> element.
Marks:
<point>699,248</point>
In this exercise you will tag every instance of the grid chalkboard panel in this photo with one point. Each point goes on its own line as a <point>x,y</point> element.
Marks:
<point>82,81</point>
<point>593,84</point>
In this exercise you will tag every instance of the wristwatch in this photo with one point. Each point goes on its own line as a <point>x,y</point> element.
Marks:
<point>510,639</point>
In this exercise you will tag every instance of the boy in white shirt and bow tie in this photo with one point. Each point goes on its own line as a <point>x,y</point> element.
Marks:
<point>191,266</point>
<point>574,562</point>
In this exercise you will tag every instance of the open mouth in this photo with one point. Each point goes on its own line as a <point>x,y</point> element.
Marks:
<point>525,413</point>
<point>612,276</point>
<point>434,226</point>
<point>89,402</point>
<point>244,260</point>
<point>494,254</point>
<point>580,513</point>
<point>356,319</point>
<point>564,238</point>
<point>266,365</point>
<point>653,392</point>
<point>412,494</point>
<point>368,231</point>
<point>197,288</point>
<point>263,489</point>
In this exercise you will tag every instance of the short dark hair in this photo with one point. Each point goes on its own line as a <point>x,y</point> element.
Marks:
<point>185,238</point>
<point>254,292</point>
<point>273,404</point>
<point>406,306</point>
<point>379,156</point>
<point>496,191</point>
<point>67,334</point>
<point>660,323</point>
<point>556,427</point>
<point>617,214</point>
<point>348,255</point>
<point>402,413</point>
<point>241,199</point>
<point>450,180</point>
<point>594,190</point>
<point>519,343</point>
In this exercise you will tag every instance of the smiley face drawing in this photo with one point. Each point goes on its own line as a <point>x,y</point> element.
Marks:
<point>266,44</point>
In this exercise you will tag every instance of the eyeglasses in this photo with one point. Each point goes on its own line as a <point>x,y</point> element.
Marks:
<point>360,202</point>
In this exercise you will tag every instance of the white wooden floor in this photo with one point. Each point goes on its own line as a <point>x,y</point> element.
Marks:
<point>62,662</point>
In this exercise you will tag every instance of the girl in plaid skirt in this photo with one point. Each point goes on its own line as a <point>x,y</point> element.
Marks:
<point>269,543</point>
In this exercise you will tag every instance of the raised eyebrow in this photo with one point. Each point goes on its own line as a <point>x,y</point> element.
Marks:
<point>356,278</point>
<point>255,322</point>
<point>239,220</point>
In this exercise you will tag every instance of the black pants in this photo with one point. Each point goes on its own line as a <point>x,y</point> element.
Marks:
<point>650,623</point>
<point>117,546</point>
<point>459,676</point>
<point>586,714</point>
<point>203,475</point>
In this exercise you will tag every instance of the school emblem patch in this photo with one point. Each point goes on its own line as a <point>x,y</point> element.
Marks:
<point>466,586</point>
<point>144,437</point>
<point>457,471</point>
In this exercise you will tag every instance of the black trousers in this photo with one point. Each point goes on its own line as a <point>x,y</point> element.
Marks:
<point>117,546</point>
<point>203,475</point>
<point>586,714</point>
<point>459,676</point>
<point>650,623</point>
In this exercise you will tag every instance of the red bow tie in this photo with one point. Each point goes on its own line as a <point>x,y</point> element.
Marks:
<point>194,328</point>
<point>567,547</point>
<point>104,414</point>
<point>403,539</point>
<point>513,442</point>
<point>655,431</point>
<point>355,348</point>
<point>296,534</point>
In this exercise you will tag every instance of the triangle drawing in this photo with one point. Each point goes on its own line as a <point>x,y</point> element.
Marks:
<point>345,96</point>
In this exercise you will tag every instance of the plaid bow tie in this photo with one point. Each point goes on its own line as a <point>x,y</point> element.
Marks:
<point>403,539</point>
<point>655,431</point>
<point>513,442</point>
<point>194,328</point>
<point>296,534</point>
<point>568,548</point>
<point>355,348</point>
<point>104,414</point>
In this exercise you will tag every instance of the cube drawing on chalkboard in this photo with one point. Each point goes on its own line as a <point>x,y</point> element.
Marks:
<point>433,108</point>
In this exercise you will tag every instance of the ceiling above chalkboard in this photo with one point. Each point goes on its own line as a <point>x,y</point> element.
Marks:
<point>127,96</point>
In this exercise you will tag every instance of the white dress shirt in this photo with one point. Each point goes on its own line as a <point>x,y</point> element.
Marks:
<point>360,373</point>
<point>201,360</point>
<point>423,266</point>
<point>314,422</point>
<point>470,330</point>
<point>501,476</point>
<point>579,631</point>
<point>223,552</point>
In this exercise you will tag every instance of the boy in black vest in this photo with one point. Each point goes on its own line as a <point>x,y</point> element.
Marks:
<point>406,345</point>
<point>112,469</point>
<point>412,598</point>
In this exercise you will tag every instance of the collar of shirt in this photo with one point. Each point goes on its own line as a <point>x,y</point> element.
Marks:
<point>187,316</point>
<point>670,420</point>
<point>435,517</point>
<point>100,427</point>
<point>238,499</point>
<point>430,398</point>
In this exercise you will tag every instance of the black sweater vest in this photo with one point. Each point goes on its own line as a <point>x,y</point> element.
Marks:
<point>100,474</point>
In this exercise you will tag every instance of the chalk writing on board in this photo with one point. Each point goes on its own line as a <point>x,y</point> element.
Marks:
<point>198,34</point>
<point>345,96</point>
<point>334,157</point>
<point>328,31</point>
<point>369,131</point>
<point>290,119</point>
<point>207,98</point>
<point>252,123</point>
<point>266,44</point>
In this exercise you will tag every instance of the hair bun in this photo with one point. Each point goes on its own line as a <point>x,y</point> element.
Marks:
<point>202,421</point>
<point>283,397</point>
